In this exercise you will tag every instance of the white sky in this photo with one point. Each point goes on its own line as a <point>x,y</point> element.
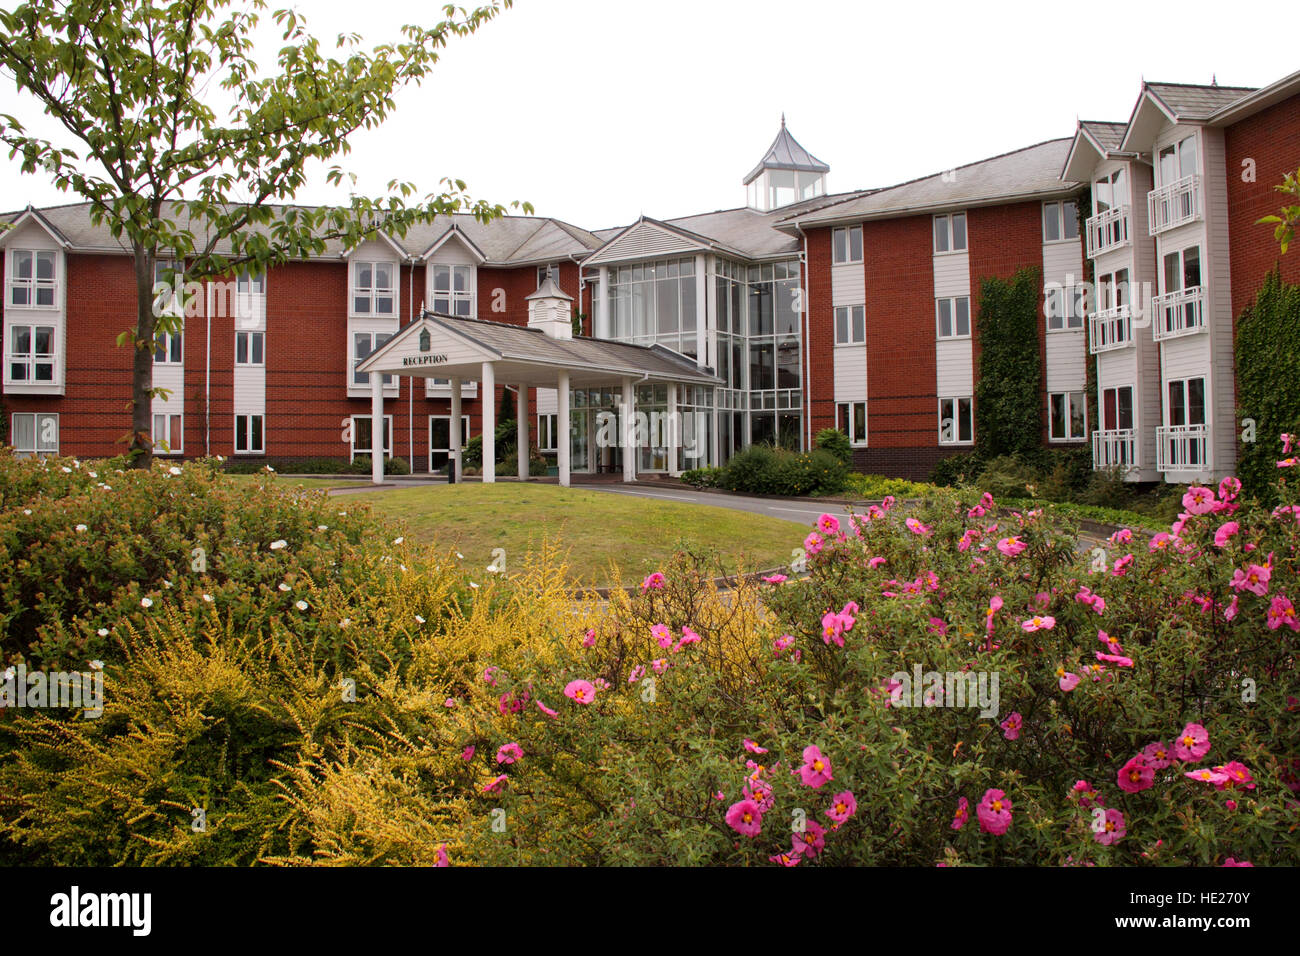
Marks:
<point>599,110</point>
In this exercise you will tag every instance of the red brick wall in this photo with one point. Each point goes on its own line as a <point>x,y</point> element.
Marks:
<point>1272,139</point>
<point>820,343</point>
<point>1002,241</point>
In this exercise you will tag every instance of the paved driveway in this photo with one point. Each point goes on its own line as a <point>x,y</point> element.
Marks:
<point>800,512</point>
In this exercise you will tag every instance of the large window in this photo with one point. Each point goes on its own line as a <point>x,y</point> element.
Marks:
<point>1182,270</point>
<point>655,302</point>
<point>1110,192</point>
<point>440,439</point>
<point>249,439</point>
<point>1117,408</point>
<point>34,433</point>
<point>168,433</point>
<point>32,279</point>
<point>167,348</point>
<point>846,245</point>
<point>953,316</point>
<point>453,290</point>
<point>363,343</point>
<point>249,284</point>
<point>250,348</point>
<point>851,419</point>
<point>31,354</point>
<point>850,325</point>
<point>1067,416</point>
<point>373,288</point>
<point>1186,405</point>
<point>956,423</point>
<point>1060,221</point>
<point>362,435</point>
<point>547,426</point>
<point>1176,161</point>
<point>950,232</point>
<point>1065,307</point>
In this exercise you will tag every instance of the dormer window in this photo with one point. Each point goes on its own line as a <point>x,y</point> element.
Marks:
<point>32,279</point>
<point>453,290</point>
<point>373,285</point>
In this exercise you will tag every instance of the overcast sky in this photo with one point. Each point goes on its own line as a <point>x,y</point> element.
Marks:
<point>599,110</point>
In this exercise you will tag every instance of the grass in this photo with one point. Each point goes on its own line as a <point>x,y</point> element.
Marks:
<point>294,481</point>
<point>592,530</point>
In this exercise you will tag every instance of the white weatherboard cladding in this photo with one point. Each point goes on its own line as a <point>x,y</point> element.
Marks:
<point>250,389</point>
<point>1062,262</point>
<point>848,285</point>
<point>1218,303</point>
<point>951,275</point>
<point>444,344</point>
<point>1067,357</point>
<point>1187,357</point>
<point>850,373</point>
<point>547,401</point>
<point>955,375</point>
<point>32,236</point>
<point>645,241</point>
<point>453,252</point>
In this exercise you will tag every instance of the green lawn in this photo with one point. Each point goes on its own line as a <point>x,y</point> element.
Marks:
<point>292,481</point>
<point>593,529</point>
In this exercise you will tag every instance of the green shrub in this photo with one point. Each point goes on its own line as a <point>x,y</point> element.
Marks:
<point>1008,477</point>
<point>392,466</point>
<point>706,477</point>
<point>837,443</point>
<point>961,469</point>
<point>764,470</point>
<point>878,487</point>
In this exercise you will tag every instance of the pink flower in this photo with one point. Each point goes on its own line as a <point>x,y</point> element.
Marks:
<point>1238,774</point>
<point>661,634</point>
<point>1192,744</point>
<point>1282,611</point>
<point>1116,659</point>
<point>1198,500</point>
<point>1159,541</point>
<point>745,818</point>
<point>546,710</point>
<point>1229,488</point>
<point>449,702</point>
<point>489,676</point>
<point>832,628</point>
<point>875,563</point>
<point>654,582</point>
<point>580,691</point>
<point>843,806</point>
<point>828,524</point>
<point>589,640</point>
<point>775,578</point>
<point>994,812</point>
<point>1253,579</point>
<point>1230,611</point>
<point>1068,681</point>
<point>1036,623</point>
<point>938,626</point>
<point>635,676</point>
<point>467,754</point>
<point>1206,775</point>
<point>1087,795</point>
<point>442,857</point>
<point>1136,775</point>
<point>1122,536</point>
<point>509,753</point>
<point>811,841</point>
<point>753,747</point>
<point>962,815</point>
<point>994,606</point>
<point>786,859</point>
<point>1157,755</point>
<point>496,784</point>
<point>1121,566</point>
<point>1011,726</point>
<point>1011,546</point>
<point>1112,645</point>
<point>816,769</point>
<point>688,637</point>
<point>781,643</point>
<point>1288,442</point>
<point>1226,531</point>
<point>812,544</point>
<point>659,665</point>
<point>1112,830</point>
<point>1231,862</point>
<point>1288,462</point>
<point>916,527</point>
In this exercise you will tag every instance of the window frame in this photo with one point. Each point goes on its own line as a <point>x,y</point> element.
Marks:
<point>261,431</point>
<point>1068,396</point>
<point>469,295</point>
<point>1075,313</point>
<point>31,359</point>
<point>938,318</point>
<point>34,284</point>
<point>851,311</point>
<point>390,380</point>
<point>352,445</point>
<point>1058,205</point>
<point>956,401</point>
<point>548,430</point>
<point>1185,390</point>
<point>35,451</point>
<point>164,447</point>
<point>253,335</point>
<point>849,233</point>
<point>373,292</point>
<point>948,219</point>
<point>857,422</point>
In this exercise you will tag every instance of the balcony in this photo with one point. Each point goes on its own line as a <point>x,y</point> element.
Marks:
<point>1178,313</point>
<point>1107,231</point>
<point>1182,448</point>
<point>1116,448</point>
<point>1174,205</point>
<point>1110,329</point>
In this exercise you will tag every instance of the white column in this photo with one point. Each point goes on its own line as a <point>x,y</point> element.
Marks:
<point>600,325</point>
<point>674,432</point>
<point>521,432</point>
<point>562,439</point>
<point>488,396</point>
<point>376,428</point>
<point>453,466</point>
<point>630,450</point>
<point>701,309</point>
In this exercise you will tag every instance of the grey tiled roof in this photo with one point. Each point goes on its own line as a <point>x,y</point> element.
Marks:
<point>786,153</point>
<point>1190,102</point>
<point>1108,135</point>
<point>1029,172</point>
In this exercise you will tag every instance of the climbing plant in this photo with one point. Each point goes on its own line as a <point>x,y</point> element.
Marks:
<point>1268,379</point>
<point>1008,416</point>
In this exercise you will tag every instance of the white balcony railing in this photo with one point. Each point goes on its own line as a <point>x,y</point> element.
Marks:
<point>1110,329</point>
<point>1108,230</point>
<point>1178,313</point>
<point>1175,204</point>
<point>1116,448</point>
<point>1182,448</point>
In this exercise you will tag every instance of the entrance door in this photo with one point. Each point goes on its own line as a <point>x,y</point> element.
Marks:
<point>440,441</point>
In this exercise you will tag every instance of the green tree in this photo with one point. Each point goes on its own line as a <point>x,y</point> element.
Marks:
<point>1008,418</point>
<point>1268,380</point>
<point>186,152</point>
<point>1284,225</point>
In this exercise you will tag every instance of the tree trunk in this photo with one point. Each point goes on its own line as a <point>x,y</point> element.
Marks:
<point>140,448</point>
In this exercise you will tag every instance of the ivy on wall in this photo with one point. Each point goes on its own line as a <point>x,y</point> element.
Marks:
<point>1008,419</point>
<point>1268,379</point>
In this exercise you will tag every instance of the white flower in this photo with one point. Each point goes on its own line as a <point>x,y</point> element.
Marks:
<point>402,567</point>
<point>301,605</point>
<point>146,602</point>
<point>277,545</point>
<point>345,622</point>
<point>492,569</point>
<point>270,469</point>
<point>420,619</point>
<point>75,463</point>
<point>102,632</point>
<point>27,511</point>
<point>9,673</point>
<point>473,584</point>
<point>343,513</point>
<point>398,540</point>
<point>283,586</point>
<point>108,487</point>
<point>67,470</point>
<point>166,583</point>
<point>93,474</point>
<point>459,555</point>
<point>208,598</point>
<point>173,470</point>
<point>81,527</point>
<point>322,527</point>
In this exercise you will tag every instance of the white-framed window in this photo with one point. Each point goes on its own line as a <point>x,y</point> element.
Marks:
<point>452,290</point>
<point>363,343</point>
<point>1186,402</point>
<point>168,287</point>
<point>950,232</point>
<point>33,279</point>
<point>953,317</point>
<point>167,349</point>
<point>1065,307</point>
<point>168,433</point>
<point>30,355</point>
<point>547,429</point>
<point>850,325</point>
<point>374,288</point>
<point>543,271</point>
<point>1067,416</point>
<point>361,435</point>
<point>846,245</point>
<point>1176,161</point>
<point>1182,270</point>
<point>1110,192</point>
<point>1060,221</point>
<point>851,419</point>
<point>250,348</point>
<point>956,421</point>
<point>250,436</point>
<point>440,439</point>
<point>246,283</point>
<point>34,433</point>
